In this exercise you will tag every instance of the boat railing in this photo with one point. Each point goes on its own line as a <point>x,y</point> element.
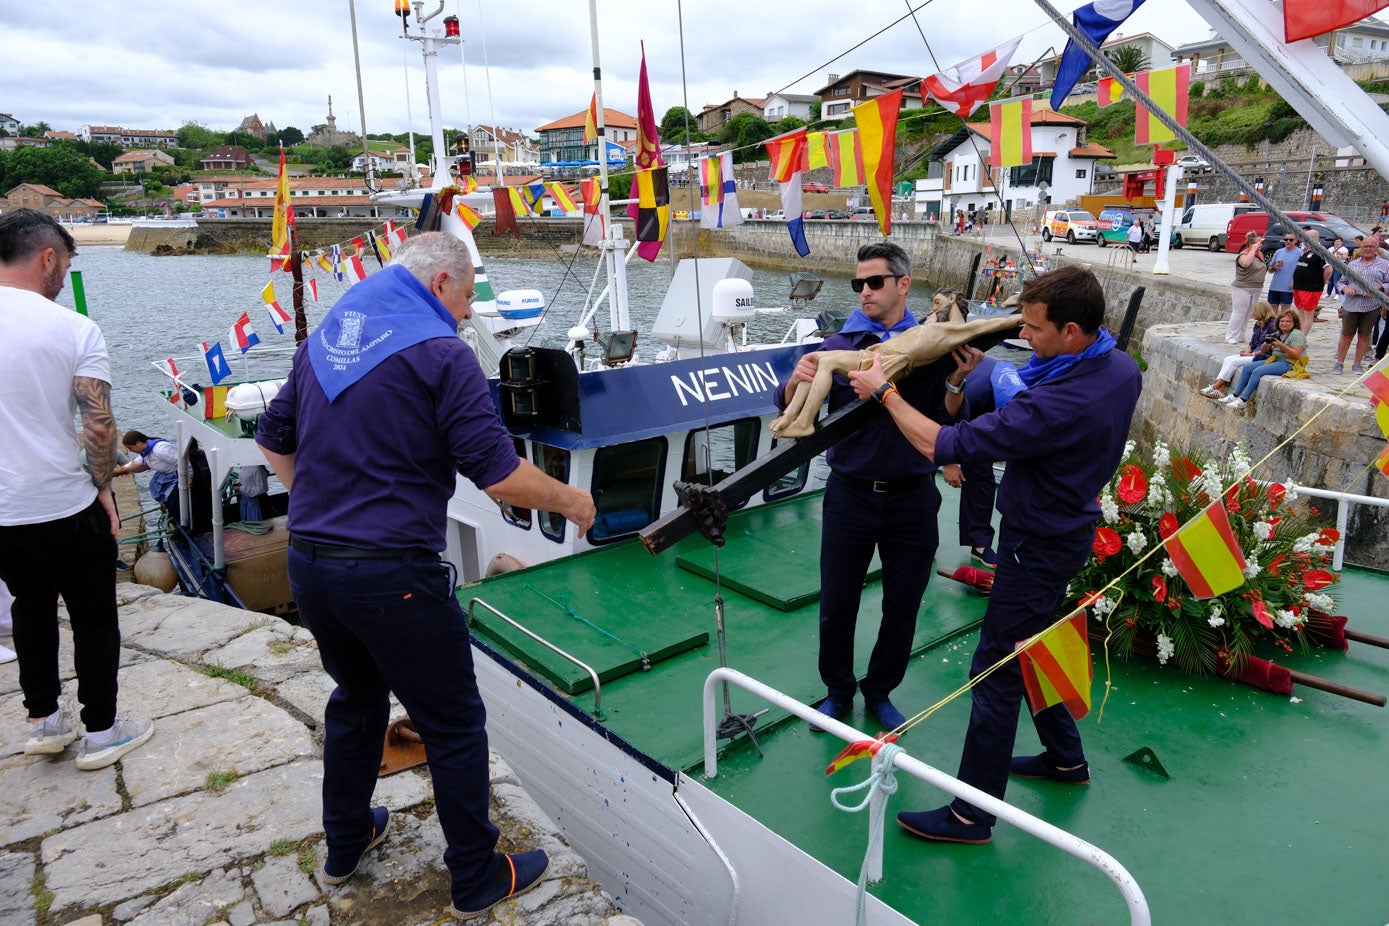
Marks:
<point>593,676</point>
<point>1343,502</point>
<point>1055,836</point>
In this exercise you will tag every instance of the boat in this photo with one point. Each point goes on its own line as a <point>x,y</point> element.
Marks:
<point>656,706</point>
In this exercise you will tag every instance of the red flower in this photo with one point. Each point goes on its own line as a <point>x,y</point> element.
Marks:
<point>1275,493</point>
<point>1273,525</point>
<point>1159,589</point>
<point>1107,542</point>
<point>1261,613</point>
<point>1133,485</point>
<point>1273,565</point>
<point>1090,598</point>
<point>1329,535</point>
<point>1316,579</point>
<point>1167,525</point>
<point>1232,505</point>
<point>1184,469</point>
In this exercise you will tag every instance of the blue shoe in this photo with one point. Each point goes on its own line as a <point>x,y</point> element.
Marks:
<point>984,556</point>
<point>515,875</point>
<point>832,708</point>
<point>1039,767</point>
<point>890,717</point>
<point>940,825</point>
<point>339,866</point>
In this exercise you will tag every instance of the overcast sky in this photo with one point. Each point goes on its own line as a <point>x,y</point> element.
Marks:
<point>146,65</point>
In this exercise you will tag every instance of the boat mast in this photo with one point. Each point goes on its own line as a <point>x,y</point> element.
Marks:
<point>619,319</point>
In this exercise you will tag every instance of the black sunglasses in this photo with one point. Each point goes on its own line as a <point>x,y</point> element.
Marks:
<point>875,282</point>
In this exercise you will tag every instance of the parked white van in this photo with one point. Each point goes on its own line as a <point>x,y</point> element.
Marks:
<point>1203,225</point>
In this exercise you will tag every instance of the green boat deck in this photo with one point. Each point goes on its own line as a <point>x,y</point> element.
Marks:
<point>1272,812</point>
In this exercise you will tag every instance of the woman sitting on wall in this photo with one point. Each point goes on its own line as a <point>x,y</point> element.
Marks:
<point>1281,349</point>
<point>1265,324</point>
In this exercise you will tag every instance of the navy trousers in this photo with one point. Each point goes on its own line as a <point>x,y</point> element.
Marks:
<point>1029,586</point>
<point>394,626</point>
<point>901,525</point>
<point>977,504</point>
<point>72,557</point>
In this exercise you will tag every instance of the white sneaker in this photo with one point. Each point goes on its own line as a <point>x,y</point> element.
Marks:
<point>127,734</point>
<point>1225,400</point>
<point>1236,403</point>
<point>49,737</point>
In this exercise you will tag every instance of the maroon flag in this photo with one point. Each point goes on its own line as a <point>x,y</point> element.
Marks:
<point>506,216</point>
<point>648,153</point>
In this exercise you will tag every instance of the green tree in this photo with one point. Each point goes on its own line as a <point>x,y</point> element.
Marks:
<point>745,131</point>
<point>104,152</point>
<point>788,123</point>
<point>199,137</point>
<point>674,122</point>
<point>291,136</point>
<point>61,167</point>
<point>1127,58</point>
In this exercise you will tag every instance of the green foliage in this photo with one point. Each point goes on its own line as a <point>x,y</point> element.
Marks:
<point>745,132</point>
<point>192,135</point>
<point>307,862</point>
<point>291,136</point>
<point>674,123</point>
<point>104,152</point>
<point>788,123</point>
<point>815,111</point>
<point>218,781</point>
<point>1128,58</point>
<point>1196,90</point>
<point>247,681</point>
<point>60,166</point>
<point>43,897</point>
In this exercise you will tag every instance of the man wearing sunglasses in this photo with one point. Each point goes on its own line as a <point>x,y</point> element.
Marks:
<point>1281,266</point>
<point>1062,439</point>
<point>881,495</point>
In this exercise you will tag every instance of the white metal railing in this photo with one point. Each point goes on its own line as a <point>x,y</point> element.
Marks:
<point>1343,502</point>
<point>593,676</point>
<point>1066,842</point>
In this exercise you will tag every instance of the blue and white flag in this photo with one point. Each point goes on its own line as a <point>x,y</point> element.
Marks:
<point>1097,20</point>
<point>217,366</point>
<point>791,206</point>
<point>336,258</point>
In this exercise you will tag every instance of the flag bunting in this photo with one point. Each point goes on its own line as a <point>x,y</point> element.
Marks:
<point>877,131</point>
<point>1206,553</point>
<point>1056,669</point>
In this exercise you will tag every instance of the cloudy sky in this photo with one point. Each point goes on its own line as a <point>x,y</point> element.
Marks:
<point>148,65</point>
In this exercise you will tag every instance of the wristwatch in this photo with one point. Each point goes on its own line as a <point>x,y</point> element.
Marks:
<point>880,394</point>
<point>956,390</point>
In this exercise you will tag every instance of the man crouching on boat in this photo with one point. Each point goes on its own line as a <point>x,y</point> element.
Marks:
<point>383,406</point>
<point>1062,439</point>
<point>881,494</point>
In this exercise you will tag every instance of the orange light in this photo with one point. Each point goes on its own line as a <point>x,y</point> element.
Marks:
<point>402,8</point>
<point>450,27</point>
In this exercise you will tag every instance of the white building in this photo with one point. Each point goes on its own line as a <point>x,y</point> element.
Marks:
<point>9,123</point>
<point>1155,51</point>
<point>396,159</point>
<point>1365,41</point>
<point>777,106</point>
<point>959,177</point>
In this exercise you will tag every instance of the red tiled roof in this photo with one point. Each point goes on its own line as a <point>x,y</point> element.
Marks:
<point>1091,150</point>
<point>611,117</point>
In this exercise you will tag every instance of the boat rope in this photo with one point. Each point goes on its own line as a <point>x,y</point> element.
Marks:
<point>882,780</point>
<point>255,528</point>
<point>563,605</point>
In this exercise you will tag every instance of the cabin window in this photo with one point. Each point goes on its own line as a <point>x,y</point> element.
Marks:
<point>712,454</point>
<point>553,462</point>
<point>518,517</point>
<point>627,482</point>
<point>789,484</point>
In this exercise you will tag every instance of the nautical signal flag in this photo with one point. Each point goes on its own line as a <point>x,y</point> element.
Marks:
<point>468,184</point>
<point>1010,133</point>
<point>1108,91</point>
<point>1168,88</point>
<point>1382,417</point>
<point>1377,381</point>
<point>788,155</point>
<point>278,316</point>
<point>533,193</point>
<point>1206,553</point>
<point>170,369</point>
<point>563,201</point>
<point>1304,20</point>
<point>595,217</point>
<point>719,193</point>
<point>653,204</point>
<point>335,258</point>
<point>243,336</point>
<point>846,158</point>
<point>965,87</point>
<point>1056,669</point>
<point>469,216</point>
<point>505,218</point>
<point>591,120</point>
<point>215,402</point>
<point>217,367</point>
<point>356,271</point>
<point>313,289</point>
<point>520,205</point>
<point>858,749</point>
<point>1096,20</point>
<point>877,131</point>
<point>323,262</point>
<point>792,209</point>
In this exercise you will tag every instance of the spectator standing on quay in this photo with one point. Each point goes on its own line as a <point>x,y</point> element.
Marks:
<point>1250,271</point>
<point>1309,278</point>
<point>1282,265</point>
<point>1360,310</point>
<point>58,523</point>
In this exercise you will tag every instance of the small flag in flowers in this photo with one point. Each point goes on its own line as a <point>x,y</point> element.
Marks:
<point>1206,553</point>
<point>858,749</point>
<point>1056,669</point>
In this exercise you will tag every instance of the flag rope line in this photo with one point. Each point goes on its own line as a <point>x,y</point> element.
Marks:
<point>882,779</point>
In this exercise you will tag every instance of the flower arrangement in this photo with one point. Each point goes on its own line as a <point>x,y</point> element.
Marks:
<point>1286,546</point>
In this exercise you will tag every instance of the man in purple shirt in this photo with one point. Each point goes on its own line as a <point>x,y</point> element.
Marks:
<point>1062,439</point>
<point>383,406</point>
<point>881,495</point>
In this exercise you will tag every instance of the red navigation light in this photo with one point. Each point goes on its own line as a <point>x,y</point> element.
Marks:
<point>450,27</point>
<point>402,8</point>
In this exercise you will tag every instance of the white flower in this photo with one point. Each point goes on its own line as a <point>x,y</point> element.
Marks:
<point>1263,530</point>
<point>1217,616</point>
<point>1319,602</point>
<point>1129,447</point>
<point>1285,618</point>
<point>1291,495</point>
<point>1137,542</point>
<point>1251,568</point>
<point>1158,494</point>
<point>1103,605</point>
<point>1239,462</point>
<point>1169,568</point>
<point>1165,648</point>
<point>1306,542</point>
<point>1109,508</point>
<point>1162,457</point>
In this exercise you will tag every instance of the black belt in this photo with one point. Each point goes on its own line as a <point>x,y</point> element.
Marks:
<point>324,551</point>
<point>885,486</point>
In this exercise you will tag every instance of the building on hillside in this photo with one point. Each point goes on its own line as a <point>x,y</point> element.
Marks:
<point>60,136</point>
<point>1365,41</point>
<point>562,141</point>
<point>253,126</point>
<point>959,176</point>
<point>312,197</point>
<point>227,186</point>
<point>227,157</point>
<point>510,146</point>
<point>682,158</point>
<point>327,134</point>
<point>777,106</point>
<point>380,160</point>
<point>141,162</point>
<point>15,142</point>
<point>9,123</point>
<point>715,116</point>
<point>842,93</point>
<point>50,202</point>
<point>128,138</point>
<point>1154,50</point>
<point>31,196</point>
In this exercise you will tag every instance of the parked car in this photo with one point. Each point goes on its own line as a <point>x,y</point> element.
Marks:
<point>1114,223</point>
<point>838,214</point>
<point>814,214</point>
<point>813,187</point>
<point>1071,224</point>
<point>1257,222</point>
<point>779,216</point>
<point>1193,162</point>
<point>1204,224</point>
<point>1327,231</point>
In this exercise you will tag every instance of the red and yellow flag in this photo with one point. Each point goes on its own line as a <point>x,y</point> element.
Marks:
<point>1108,91</point>
<point>519,206</point>
<point>1378,381</point>
<point>1382,417</point>
<point>1382,461</point>
<point>1168,88</point>
<point>710,182</point>
<point>214,402</point>
<point>877,131</point>
<point>858,749</point>
<point>646,156</point>
<point>1057,669</point>
<point>817,151</point>
<point>468,184</point>
<point>591,120</point>
<point>788,155</point>
<point>653,204</point>
<point>1205,552</point>
<point>561,196</point>
<point>284,213</point>
<point>846,158</point>
<point>1010,133</point>
<point>468,216</point>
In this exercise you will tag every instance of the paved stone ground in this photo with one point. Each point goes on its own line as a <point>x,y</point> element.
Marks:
<point>216,819</point>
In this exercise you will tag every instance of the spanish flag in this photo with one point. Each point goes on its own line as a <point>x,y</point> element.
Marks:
<point>846,158</point>
<point>1109,91</point>
<point>653,204</point>
<point>284,213</point>
<point>1056,668</point>
<point>1010,133</point>
<point>877,131</point>
<point>561,196</point>
<point>857,750</point>
<point>1205,552</point>
<point>469,217</point>
<point>591,120</point>
<point>817,150</point>
<point>1382,461</point>
<point>788,155</point>
<point>1378,381</point>
<point>1168,88</point>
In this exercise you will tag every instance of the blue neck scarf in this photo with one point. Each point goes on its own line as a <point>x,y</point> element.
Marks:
<point>377,317</point>
<point>1038,370</point>
<point>860,322</point>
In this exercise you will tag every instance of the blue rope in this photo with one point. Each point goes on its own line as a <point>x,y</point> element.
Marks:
<point>570,612</point>
<point>883,778</point>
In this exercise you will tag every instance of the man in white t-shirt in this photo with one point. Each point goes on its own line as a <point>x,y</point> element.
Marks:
<point>58,523</point>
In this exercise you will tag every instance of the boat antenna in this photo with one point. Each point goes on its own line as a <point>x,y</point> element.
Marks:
<point>409,111</point>
<point>361,97</point>
<point>491,110</point>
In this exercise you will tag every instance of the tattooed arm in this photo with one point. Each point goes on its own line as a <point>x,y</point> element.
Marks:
<point>99,439</point>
